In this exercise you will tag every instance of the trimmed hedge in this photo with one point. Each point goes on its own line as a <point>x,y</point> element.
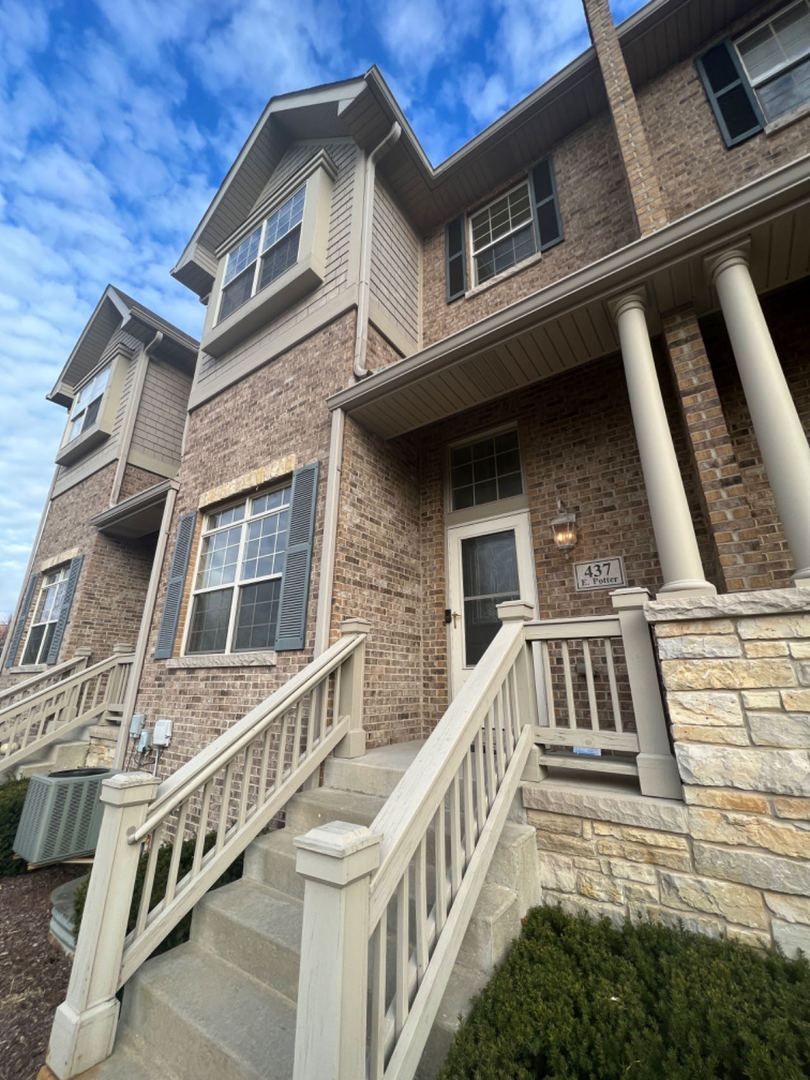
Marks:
<point>12,798</point>
<point>181,932</point>
<point>577,1000</point>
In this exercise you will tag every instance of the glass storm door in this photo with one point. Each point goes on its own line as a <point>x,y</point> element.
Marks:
<point>489,562</point>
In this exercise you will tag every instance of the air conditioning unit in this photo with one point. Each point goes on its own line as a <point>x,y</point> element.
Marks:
<point>61,816</point>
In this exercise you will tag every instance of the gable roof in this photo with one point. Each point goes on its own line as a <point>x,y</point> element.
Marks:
<point>118,313</point>
<point>659,35</point>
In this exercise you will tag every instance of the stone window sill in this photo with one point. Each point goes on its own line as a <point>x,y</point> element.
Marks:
<point>225,660</point>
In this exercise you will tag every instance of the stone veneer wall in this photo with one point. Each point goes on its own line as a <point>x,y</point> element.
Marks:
<point>732,860</point>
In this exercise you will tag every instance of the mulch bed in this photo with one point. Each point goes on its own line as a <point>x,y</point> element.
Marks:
<point>33,972</point>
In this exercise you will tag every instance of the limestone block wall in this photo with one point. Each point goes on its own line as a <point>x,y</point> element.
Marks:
<point>732,859</point>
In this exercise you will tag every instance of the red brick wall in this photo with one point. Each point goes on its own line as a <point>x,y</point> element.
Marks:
<point>278,410</point>
<point>694,166</point>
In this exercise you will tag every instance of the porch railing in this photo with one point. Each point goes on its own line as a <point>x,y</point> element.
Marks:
<point>26,687</point>
<point>30,725</point>
<point>233,788</point>
<point>386,908</point>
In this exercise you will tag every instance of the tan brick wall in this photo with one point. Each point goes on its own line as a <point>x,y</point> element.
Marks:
<point>137,480</point>
<point>275,411</point>
<point>597,218</point>
<point>694,167</point>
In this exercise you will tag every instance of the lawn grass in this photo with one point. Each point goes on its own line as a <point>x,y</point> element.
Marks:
<point>578,1000</point>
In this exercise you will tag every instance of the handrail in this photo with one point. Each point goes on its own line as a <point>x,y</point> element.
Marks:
<point>46,677</point>
<point>40,719</point>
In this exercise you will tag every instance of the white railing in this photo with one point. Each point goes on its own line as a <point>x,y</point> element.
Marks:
<point>51,675</point>
<point>233,788</point>
<point>29,726</point>
<point>398,925</point>
<point>388,906</point>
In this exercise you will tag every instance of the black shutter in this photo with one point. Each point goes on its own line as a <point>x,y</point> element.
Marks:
<point>64,611</point>
<point>295,585</point>
<point>21,619</point>
<point>174,588</point>
<point>455,263</point>
<point>546,206</point>
<point>733,102</point>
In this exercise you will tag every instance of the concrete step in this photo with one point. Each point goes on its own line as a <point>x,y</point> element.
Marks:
<point>257,928</point>
<point>131,1061</point>
<point>270,860</point>
<point>464,984</point>
<point>376,773</point>
<point>309,809</point>
<point>66,755</point>
<point>199,1016</point>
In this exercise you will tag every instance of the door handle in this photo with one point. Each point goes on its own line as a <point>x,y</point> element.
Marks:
<point>456,617</point>
<point>451,616</point>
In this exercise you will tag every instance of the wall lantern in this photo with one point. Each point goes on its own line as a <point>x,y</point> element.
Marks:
<point>564,529</point>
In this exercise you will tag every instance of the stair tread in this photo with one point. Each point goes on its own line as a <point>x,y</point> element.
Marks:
<point>261,908</point>
<point>322,805</point>
<point>231,1015</point>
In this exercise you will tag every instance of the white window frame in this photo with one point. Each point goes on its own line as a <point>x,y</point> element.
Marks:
<point>89,394</point>
<point>238,583</point>
<point>104,384</point>
<point>513,230</point>
<point>777,70</point>
<point>296,203</point>
<point>55,579</point>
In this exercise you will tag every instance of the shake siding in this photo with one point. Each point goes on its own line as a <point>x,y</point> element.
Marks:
<point>396,267</point>
<point>259,347</point>
<point>162,412</point>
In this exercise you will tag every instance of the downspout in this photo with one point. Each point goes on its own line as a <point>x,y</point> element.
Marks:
<point>129,430</point>
<point>146,622</point>
<point>330,522</point>
<point>366,224</point>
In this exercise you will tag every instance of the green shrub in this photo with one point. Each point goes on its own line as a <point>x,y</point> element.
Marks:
<point>577,1000</point>
<point>180,933</point>
<point>12,797</point>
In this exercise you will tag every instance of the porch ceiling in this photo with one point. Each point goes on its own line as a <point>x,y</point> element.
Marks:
<point>137,516</point>
<point>568,324</point>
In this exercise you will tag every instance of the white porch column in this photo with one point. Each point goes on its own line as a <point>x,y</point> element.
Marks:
<point>669,510</point>
<point>779,431</point>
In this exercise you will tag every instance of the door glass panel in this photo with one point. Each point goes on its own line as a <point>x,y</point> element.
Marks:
<point>490,575</point>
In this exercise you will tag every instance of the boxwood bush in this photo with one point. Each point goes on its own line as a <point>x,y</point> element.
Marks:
<point>12,797</point>
<point>180,933</point>
<point>577,1000</point>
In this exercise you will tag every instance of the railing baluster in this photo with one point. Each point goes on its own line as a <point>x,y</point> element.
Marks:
<point>336,695</point>
<point>297,736</point>
<point>149,879</point>
<point>592,706</point>
<point>614,689</point>
<point>480,789</point>
<point>441,867</point>
<point>470,832</point>
<point>455,836</point>
<point>225,806</point>
<point>205,808</point>
<point>569,686</point>
<point>420,906</point>
<point>489,728</point>
<point>174,865</point>
<point>282,749</point>
<point>263,767</point>
<point>497,713</point>
<point>377,1004</point>
<point>248,759</point>
<point>312,702</point>
<point>549,694</point>
<point>402,953</point>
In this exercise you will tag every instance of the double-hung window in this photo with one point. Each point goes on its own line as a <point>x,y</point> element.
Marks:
<point>86,405</point>
<point>263,256</point>
<point>46,615</point>
<point>237,585</point>
<point>760,76</point>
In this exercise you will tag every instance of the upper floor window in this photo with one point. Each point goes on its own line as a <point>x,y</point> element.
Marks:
<point>776,57</point>
<point>46,616</point>
<point>237,586</point>
<point>263,256</point>
<point>761,76</point>
<point>506,231</point>
<point>86,405</point>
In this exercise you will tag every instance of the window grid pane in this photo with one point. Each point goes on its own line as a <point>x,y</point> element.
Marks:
<point>486,471</point>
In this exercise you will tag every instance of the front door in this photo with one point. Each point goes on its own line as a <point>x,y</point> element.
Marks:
<point>488,562</point>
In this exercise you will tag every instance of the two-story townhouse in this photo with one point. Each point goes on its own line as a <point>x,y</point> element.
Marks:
<point>566,365</point>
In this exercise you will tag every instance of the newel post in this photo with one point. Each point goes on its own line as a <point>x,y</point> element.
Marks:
<point>337,861</point>
<point>350,697</point>
<point>84,1026</point>
<point>657,769</point>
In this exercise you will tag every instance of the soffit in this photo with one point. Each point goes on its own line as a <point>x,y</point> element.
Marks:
<point>569,324</point>
<point>137,516</point>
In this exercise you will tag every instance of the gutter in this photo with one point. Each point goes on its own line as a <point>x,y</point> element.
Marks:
<point>721,222</point>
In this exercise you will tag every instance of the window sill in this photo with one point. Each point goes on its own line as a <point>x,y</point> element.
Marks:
<point>504,275</point>
<point>26,669</point>
<point>81,445</point>
<point>224,660</point>
<point>787,119</point>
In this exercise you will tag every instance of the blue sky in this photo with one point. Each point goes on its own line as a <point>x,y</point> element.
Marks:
<point>119,119</point>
